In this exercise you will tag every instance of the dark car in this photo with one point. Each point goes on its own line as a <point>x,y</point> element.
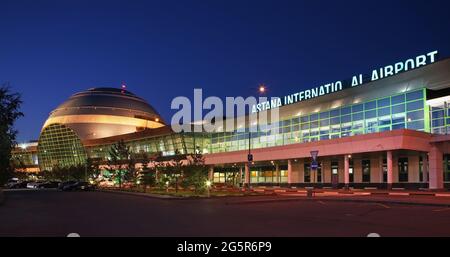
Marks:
<point>84,186</point>
<point>78,186</point>
<point>49,184</point>
<point>22,184</point>
<point>63,186</point>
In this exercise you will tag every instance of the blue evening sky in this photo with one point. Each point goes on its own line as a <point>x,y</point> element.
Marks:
<point>163,49</point>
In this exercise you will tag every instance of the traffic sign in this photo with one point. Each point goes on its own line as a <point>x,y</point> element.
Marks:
<point>314,155</point>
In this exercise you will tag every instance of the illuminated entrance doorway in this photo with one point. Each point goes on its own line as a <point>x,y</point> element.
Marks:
<point>230,176</point>
<point>269,173</point>
<point>334,174</point>
<point>311,176</point>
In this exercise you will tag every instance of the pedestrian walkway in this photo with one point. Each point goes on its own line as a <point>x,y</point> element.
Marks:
<point>379,192</point>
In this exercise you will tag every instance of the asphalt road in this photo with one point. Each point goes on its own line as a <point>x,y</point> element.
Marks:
<point>49,213</point>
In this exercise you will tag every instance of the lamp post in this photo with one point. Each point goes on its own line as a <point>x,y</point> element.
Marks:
<point>250,159</point>
<point>261,90</point>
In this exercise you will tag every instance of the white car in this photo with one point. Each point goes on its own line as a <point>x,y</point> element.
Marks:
<point>12,182</point>
<point>33,184</point>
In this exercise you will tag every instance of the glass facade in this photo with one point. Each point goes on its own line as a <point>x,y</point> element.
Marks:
<point>406,110</point>
<point>447,168</point>
<point>269,174</point>
<point>440,119</point>
<point>60,146</point>
<point>168,145</point>
<point>25,158</point>
<point>229,176</point>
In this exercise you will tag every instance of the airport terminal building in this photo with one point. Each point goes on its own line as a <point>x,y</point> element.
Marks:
<point>389,129</point>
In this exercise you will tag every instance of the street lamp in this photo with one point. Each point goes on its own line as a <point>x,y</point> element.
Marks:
<point>208,187</point>
<point>262,90</point>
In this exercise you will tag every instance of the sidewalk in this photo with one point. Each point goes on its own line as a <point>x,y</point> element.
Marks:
<point>404,200</point>
<point>379,192</point>
<point>409,197</point>
<point>168,197</point>
<point>362,196</point>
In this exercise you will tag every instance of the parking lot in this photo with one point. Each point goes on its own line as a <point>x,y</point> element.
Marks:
<point>52,213</point>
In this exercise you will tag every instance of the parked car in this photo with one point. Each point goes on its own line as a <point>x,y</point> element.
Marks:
<point>84,186</point>
<point>78,186</point>
<point>34,184</point>
<point>49,184</point>
<point>12,182</point>
<point>64,186</point>
<point>21,184</point>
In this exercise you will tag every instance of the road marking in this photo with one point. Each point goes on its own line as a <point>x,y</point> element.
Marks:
<point>296,194</point>
<point>330,193</point>
<point>443,209</point>
<point>73,235</point>
<point>405,194</point>
<point>443,195</point>
<point>373,235</point>
<point>383,205</point>
<point>321,202</point>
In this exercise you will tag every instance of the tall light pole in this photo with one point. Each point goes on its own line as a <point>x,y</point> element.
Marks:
<point>261,90</point>
<point>249,158</point>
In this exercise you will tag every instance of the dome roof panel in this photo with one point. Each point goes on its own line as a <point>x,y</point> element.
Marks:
<point>105,98</point>
<point>105,112</point>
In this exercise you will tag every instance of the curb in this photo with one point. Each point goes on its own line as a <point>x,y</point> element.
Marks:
<point>394,193</point>
<point>340,200</point>
<point>154,196</point>
<point>169,197</point>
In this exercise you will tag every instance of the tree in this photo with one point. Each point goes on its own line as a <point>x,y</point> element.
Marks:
<point>9,112</point>
<point>147,176</point>
<point>196,173</point>
<point>176,171</point>
<point>165,175</point>
<point>92,169</point>
<point>17,164</point>
<point>120,162</point>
